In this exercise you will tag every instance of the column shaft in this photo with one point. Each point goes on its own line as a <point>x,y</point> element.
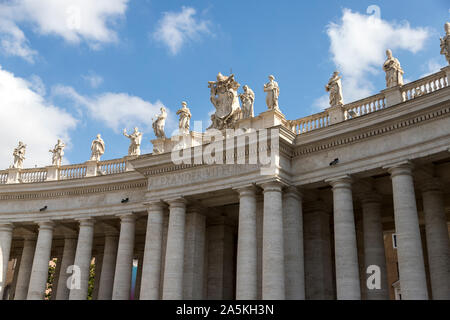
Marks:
<point>98,273</point>
<point>293,244</point>
<point>26,262</point>
<point>346,253</point>
<point>125,254</point>
<point>409,245</point>
<point>5,249</point>
<point>374,254</point>
<point>438,246</point>
<point>108,267</point>
<point>173,273</point>
<point>68,258</point>
<point>83,257</point>
<point>273,285</point>
<point>151,269</point>
<point>39,270</point>
<point>247,254</point>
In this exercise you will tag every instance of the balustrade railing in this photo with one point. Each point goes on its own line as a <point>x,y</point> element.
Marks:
<point>112,166</point>
<point>72,172</point>
<point>309,123</point>
<point>3,177</point>
<point>365,106</point>
<point>33,175</point>
<point>431,83</point>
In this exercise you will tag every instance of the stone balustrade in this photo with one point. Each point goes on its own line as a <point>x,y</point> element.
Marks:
<point>112,166</point>
<point>431,83</point>
<point>3,177</point>
<point>33,175</point>
<point>72,172</point>
<point>365,106</point>
<point>309,123</point>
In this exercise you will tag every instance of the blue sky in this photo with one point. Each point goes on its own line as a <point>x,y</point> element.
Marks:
<point>77,68</point>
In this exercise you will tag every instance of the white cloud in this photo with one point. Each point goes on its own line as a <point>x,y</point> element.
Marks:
<point>432,66</point>
<point>177,28</point>
<point>358,45</point>
<point>116,110</point>
<point>93,79</point>
<point>73,20</point>
<point>27,116</point>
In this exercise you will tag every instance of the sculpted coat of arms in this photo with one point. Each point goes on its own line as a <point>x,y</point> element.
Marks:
<point>225,99</point>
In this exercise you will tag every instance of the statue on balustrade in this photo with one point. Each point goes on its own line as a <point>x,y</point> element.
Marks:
<point>224,97</point>
<point>247,99</point>
<point>445,42</point>
<point>135,142</point>
<point>159,123</point>
<point>58,153</point>
<point>394,72</point>
<point>97,148</point>
<point>185,118</point>
<point>19,155</point>
<point>334,87</point>
<point>273,92</point>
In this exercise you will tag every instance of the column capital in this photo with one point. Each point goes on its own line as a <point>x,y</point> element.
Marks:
<point>292,191</point>
<point>6,227</point>
<point>246,190</point>
<point>177,202</point>
<point>86,222</point>
<point>344,181</point>
<point>274,185</point>
<point>400,168</point>
<point>45,225</point>
<point>155,205</point>
<point>127,217</point>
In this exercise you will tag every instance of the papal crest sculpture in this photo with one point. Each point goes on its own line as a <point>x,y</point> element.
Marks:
<point>225,99</point>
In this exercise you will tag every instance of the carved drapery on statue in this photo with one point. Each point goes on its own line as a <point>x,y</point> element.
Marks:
<point>225,99</point>
<point>58,153</point>
<point>185,118</point>
<point>97,148</point>
<point>445,43</point>
<point>334,87</point>
<point>273,91</point>
<point>19,155</point>
<point>394,72</point>
<point>159,124</point>
<point>135,142</point>
<point>247,99</point>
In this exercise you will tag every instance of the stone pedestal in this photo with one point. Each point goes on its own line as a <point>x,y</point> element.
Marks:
<point>336,114</point>
<point>13,175</point>
<point>393,96</point>
<point>447,72</point>
<point>266,119</point>
<point>91,168</point>
<point>128,165</point>
<point>52,173</point>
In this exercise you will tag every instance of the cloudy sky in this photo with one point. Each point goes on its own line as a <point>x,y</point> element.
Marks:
<point>70,69</point>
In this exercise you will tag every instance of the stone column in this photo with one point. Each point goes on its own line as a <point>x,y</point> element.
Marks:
<point>438,245</point>
<point>194,255</point>
<point>317,244</point>
<point>273,285</point>
<point>6,231</point>
<point>346,253</point>
<point>16,273</point>
<point>374,254</point>
<point>409,245</point>
<point>151,269</point>
<point>39,270</point>
<point>293,244</point>
<point>68,258</point>
<point>83,257</point>
<point>247,263</point>
<point>124,263</point>
<point>98,273</point>
<point>26,262</point>
<point>108,265</point>
<point>173,272</point>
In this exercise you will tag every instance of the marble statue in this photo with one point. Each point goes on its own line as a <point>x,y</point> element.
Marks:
<point>247,99</point>
<point>159,123</point>
<point>185,118</point>
<point>445,42</point>
<point>224,97</point>
<point>394,72</point>
<point>58,153</point>
<point>273,91</point>
<point>97,148</point>
<point>334,87</point>
<point>19,155</point>
<point>135,142</point>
